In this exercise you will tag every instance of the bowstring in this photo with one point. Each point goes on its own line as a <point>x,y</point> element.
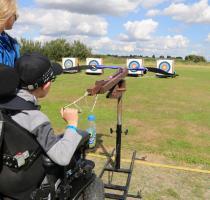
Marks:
<point>94,104</point>
<point>81,98</point>
<point>76,101</point>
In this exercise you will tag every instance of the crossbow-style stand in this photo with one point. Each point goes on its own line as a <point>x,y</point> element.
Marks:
<point>115,86</point>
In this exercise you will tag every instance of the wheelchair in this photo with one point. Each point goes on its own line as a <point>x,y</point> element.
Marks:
<point>76,181</point>
<point>42,179</point>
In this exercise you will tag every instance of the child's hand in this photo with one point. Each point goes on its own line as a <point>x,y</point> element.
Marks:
<point>70,115</point>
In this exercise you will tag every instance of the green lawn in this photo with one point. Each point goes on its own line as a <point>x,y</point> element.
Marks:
<point>165,117</point>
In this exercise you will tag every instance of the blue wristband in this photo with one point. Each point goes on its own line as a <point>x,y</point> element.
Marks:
<point>72,127</point>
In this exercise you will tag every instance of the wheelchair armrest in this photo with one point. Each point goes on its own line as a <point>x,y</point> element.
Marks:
<point>47,162</point>
<point>51,167</point>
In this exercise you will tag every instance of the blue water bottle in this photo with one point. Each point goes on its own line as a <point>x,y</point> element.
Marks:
<point>92,130</point>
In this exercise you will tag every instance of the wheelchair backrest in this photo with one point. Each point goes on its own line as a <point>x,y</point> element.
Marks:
<point>21,170</point>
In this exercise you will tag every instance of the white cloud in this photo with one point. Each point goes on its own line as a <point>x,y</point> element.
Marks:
<point>198,12</point>
<point>153,12</point>
<point>112,46</point>
<point>112,7</point>
<point>62,23</point>
<point>168,45</point>
<point>152,3</point>
<point>165,43</point>
<point>139,30</point>
<point>108,7</point>
<point>175,42</point>
<point>208,38</point>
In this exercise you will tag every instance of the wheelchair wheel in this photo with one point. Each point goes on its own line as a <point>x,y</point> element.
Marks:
<point>95,191</point>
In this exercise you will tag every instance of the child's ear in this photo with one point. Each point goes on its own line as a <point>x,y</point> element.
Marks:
<point>46,85</point>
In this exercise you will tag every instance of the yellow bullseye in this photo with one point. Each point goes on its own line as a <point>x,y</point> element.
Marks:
<point>164,67</point>
<point>134,66</point>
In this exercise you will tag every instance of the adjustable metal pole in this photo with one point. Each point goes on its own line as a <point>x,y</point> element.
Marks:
<point>119,132</point>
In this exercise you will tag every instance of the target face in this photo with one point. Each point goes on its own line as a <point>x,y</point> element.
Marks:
<point>133,66</point>
<point>68,63</point>
<point>94,63</point>
<point>165,66</point>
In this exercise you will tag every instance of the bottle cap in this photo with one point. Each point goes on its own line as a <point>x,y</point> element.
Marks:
<point>91,118</point>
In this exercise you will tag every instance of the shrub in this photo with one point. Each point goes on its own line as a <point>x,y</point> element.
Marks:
<point>195,58</point>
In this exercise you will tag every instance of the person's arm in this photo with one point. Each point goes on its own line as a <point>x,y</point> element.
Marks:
<point>62,152</point>
<point>60,149</point>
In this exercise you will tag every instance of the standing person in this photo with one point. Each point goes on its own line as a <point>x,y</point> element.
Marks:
<point>9,47</point>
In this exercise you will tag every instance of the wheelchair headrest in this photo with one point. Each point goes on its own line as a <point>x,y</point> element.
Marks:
<point>9,81</point>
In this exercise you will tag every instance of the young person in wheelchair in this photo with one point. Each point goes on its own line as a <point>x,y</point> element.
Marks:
<point>37,163</point>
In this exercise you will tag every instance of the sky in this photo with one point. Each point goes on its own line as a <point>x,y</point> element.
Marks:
<point>122,27</point>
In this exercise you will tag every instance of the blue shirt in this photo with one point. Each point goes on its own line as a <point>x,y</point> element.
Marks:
<point>9,50</point>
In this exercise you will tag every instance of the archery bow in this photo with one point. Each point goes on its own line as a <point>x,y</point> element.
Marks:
<point>144,69</point>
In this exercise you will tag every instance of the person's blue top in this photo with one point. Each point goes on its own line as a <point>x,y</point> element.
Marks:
<point>9,50</point>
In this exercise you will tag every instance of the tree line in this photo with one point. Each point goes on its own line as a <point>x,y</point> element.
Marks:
<point>59,48</point>
<point>56,49</point>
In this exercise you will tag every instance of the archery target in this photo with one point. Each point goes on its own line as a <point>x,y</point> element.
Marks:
<point>166,65</point>
<point>69,62</point>
<point>94,62</point>
<point>133,65</point>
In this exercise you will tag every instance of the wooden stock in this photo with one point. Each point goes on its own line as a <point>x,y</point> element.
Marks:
<point>113,84</point>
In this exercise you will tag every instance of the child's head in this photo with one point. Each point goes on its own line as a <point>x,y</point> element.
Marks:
<point>36,73</point>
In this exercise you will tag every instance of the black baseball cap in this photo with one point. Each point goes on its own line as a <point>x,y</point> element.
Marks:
<point>35,69</point>
<point>9,81</point>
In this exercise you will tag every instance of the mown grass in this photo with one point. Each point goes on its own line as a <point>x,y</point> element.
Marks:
<point>168,117</point>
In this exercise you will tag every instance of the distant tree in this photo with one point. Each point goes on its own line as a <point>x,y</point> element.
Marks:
<point>169,57</point>
<point>80,50</point>
<point>195,58</point>
<point>161,57</point>
<point>153,56</point>
<point>179,58</point>
<point>56,49</point>
<point>28,46</point>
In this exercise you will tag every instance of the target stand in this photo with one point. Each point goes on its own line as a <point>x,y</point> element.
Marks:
<point>94,62</point>
<point>133,66</point>
<point>115,87</point>
<point>69,63</point>
<point>167,66</point>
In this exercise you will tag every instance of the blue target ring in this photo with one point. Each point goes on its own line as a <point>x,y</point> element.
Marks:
<point>68,63</point>
<point>94,63</point>
<point>165,66</point>
<point>133,66</point>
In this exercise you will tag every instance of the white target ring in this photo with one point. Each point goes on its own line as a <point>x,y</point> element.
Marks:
<point>68,63</point>
<point>94,64</point>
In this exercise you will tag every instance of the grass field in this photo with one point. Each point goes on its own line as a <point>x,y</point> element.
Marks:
<point>168,119</point>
